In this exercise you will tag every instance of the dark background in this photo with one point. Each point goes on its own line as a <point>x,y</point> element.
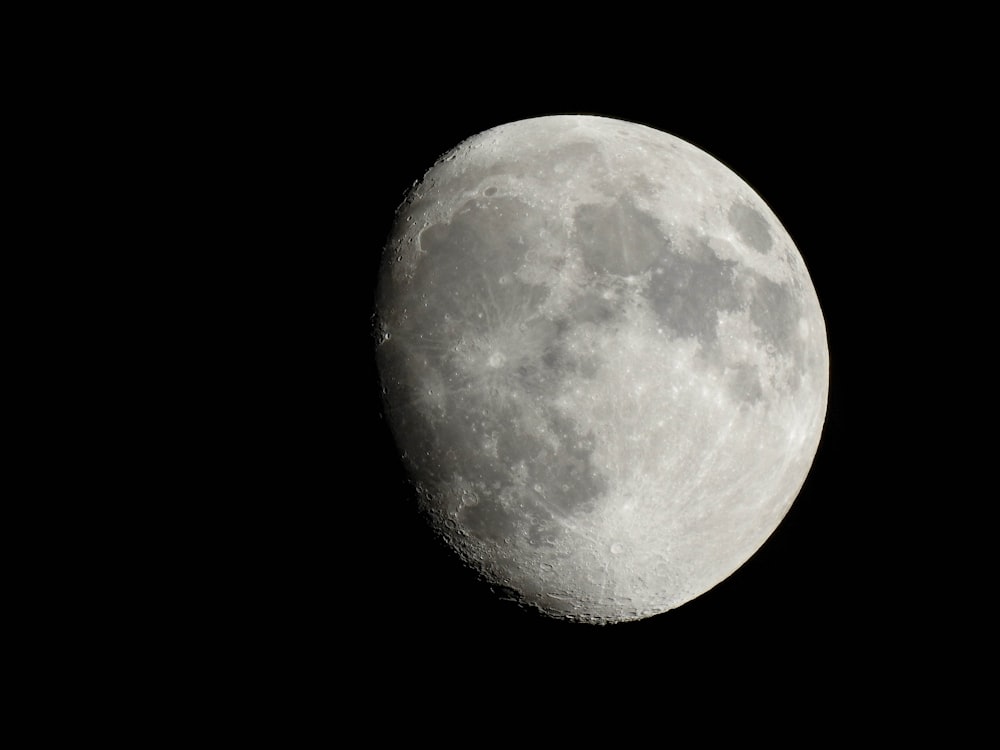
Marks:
<point>266,553</point>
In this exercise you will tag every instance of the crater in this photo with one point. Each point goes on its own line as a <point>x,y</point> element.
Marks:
<point>751,227</point>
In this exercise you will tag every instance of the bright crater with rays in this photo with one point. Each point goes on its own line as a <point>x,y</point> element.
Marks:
<point>604,364</point>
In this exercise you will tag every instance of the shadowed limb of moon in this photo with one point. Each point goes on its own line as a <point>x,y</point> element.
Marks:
<point>604,364</point>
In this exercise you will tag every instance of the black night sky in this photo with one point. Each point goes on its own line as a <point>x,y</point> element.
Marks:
<point>295,563</point>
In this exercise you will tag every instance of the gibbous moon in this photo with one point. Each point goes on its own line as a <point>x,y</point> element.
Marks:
<point>603,362</point>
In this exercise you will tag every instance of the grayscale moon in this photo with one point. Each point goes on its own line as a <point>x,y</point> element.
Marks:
<point>603,362</point>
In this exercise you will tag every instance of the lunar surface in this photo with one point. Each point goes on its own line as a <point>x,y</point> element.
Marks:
<point>603,362</point>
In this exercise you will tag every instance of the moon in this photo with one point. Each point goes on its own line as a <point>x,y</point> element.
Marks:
<point>603,362</point>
